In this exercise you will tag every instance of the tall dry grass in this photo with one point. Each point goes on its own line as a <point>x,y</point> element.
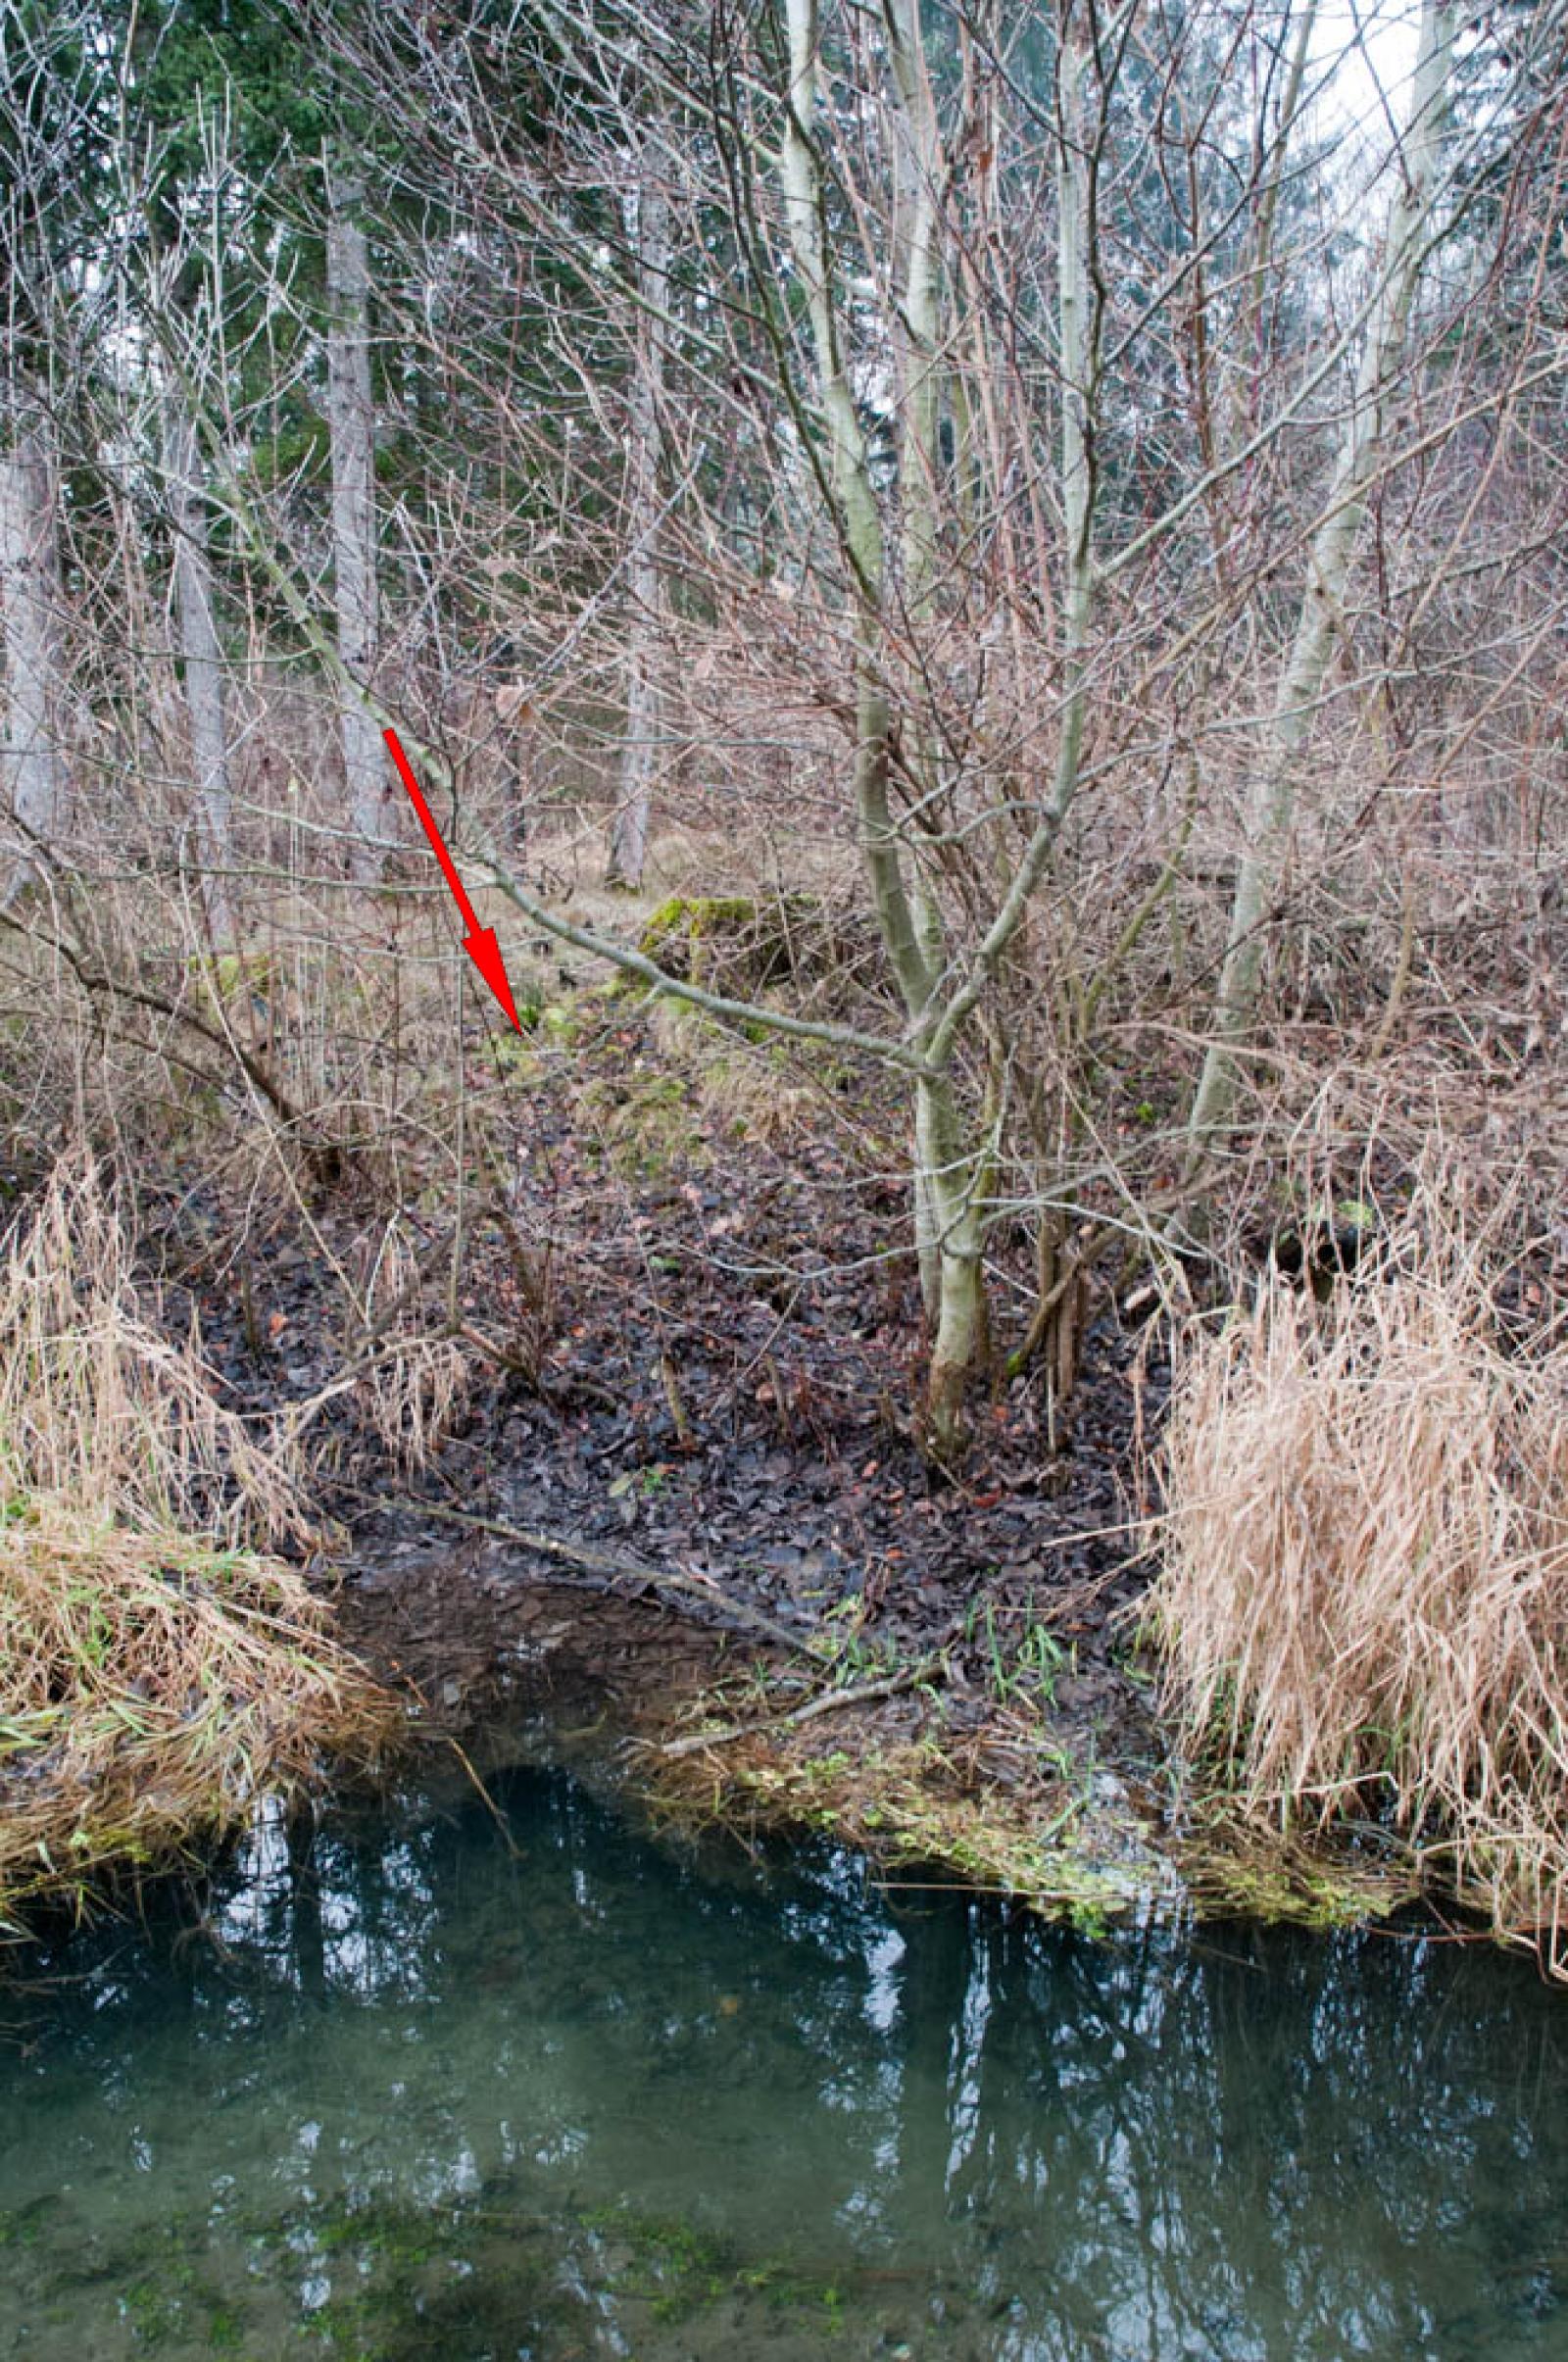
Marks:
<point>100,1406</point>
<point>157,1669</point>
<point>1365,1586</point>
<point>415,1385</point>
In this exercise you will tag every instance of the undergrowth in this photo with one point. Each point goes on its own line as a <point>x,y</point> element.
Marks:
<point>159,1668</point>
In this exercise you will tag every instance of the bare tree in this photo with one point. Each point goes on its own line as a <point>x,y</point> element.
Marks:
<point>998,623</point>
<point>29,616</point>
<point>648,239</point>
<point>351,427</point>
<point>203,659</point>
<point>44,97</point>
<point>1412,231</point>
<point>1018,373</point>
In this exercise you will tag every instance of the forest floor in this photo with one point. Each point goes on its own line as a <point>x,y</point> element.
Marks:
<point>678,1498</point>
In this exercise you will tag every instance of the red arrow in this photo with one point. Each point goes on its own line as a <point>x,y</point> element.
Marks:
<point>479,942</point>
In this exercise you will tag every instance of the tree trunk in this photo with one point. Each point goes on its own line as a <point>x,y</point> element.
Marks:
<point>29,620</point>
<point>202,662</point>
<point>628,842</point>
<point>947,1171</point>
<point>1330,555</point>
<point>916,322</point>
<point>950,1171</point>
<point>351,427</point>
<point>918,172</point>
<point>1079,340</point>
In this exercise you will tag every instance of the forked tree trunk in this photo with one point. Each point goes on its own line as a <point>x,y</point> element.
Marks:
<point>202,660</point>
<point>948,1169</point>
<point>628,840</point>
<point>1330,556</point>
<point>946,1166</point>
<point>30,624</point>
<point>351,429</point>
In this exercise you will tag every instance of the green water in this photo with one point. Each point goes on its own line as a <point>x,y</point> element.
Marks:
<point>409,2090</point>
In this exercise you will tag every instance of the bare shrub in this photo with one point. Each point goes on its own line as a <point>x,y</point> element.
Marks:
<point>1365,1590</point>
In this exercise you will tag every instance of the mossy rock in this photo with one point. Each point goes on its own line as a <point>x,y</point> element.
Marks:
<point>740,943</point>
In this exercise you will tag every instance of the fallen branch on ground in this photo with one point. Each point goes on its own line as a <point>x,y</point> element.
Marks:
<point>617,1566</point>
<point>826,1701</point>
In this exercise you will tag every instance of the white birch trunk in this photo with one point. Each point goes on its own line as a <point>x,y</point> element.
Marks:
<point>949,1217</point>
<point>919,164</point>
<point>202,660</point>
<point>1330,555</point>
<point>29,623</point>
<point>628,841</point>
<point>351,429</point>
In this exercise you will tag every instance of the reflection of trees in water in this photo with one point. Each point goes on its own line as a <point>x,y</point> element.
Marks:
<point>1243,2144</point>
<point>1280,2157</point>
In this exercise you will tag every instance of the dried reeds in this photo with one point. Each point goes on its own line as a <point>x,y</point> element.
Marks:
<point>157,1670</point>
<point>99,1406</point>
<point>1365,1587</point>
<point>413,1387</point>
<point>150,1690</point>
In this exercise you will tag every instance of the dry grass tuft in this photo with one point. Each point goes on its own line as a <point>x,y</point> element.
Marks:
<point>151,1688</point>
<point>157,1670</point>
<point>752,1096</point>
<point>98,1405</point>
<point>417,1386</point>
<point>763,1093</point>
<point>1365,1589</point>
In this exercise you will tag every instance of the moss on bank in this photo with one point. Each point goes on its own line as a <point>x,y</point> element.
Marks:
<point>1060,1835</point>
<point>701,938</point>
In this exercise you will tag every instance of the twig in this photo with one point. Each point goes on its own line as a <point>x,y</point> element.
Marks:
<point>488,1801</point>
<point>827,1701</point>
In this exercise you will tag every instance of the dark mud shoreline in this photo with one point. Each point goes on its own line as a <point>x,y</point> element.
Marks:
<point>696,1350</point>
<point>681,1495</point>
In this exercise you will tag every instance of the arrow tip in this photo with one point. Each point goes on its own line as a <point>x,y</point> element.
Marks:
<point>485,953</point>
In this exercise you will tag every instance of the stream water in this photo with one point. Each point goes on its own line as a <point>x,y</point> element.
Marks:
<point>419,2088</point>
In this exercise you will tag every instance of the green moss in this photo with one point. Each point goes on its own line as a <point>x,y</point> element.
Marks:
<point>751,941</point>
<point>1071,1843</point>
<point>407,2282</point>
<point>1236,1870</point>
<point>225,974</point>
<point>170,2298</point>
<point>678,2268</point>
<point>646,1126</point>
<point>153,2314</point>
<point>20,2226</point>
<point>1058,1848</point>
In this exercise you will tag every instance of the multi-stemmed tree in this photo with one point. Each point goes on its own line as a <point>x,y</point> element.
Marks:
<point>970,417</point>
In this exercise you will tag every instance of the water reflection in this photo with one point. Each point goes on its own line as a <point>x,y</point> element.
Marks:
<point>645,2104</point>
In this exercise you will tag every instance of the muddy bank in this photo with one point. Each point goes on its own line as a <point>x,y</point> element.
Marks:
<point>675,1365</point>
<point>701,1724</point>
